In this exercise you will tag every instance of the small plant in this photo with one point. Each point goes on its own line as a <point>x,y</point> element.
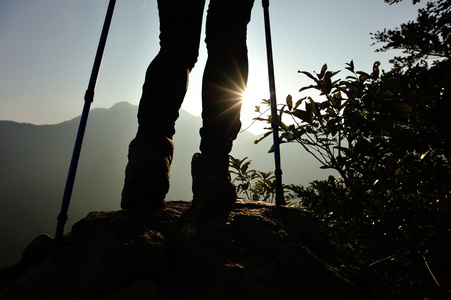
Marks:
<point>252,184</point>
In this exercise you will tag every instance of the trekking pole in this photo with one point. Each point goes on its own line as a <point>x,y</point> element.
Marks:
<point>274,118</point>
<point>89,98</point>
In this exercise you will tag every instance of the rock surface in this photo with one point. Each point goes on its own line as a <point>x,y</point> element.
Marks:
<point>253,251</point>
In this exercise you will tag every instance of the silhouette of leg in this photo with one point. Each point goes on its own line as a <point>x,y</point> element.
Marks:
<point>224,83</point>
<point>225,75</point>
<point>150,153</point>
<point>167,75</point>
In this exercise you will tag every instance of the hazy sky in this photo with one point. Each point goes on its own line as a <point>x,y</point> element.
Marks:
<point>47,49</point>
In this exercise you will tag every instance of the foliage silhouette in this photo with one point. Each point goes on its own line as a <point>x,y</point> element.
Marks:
<point>428,37</point>
<point>252,184</point>
<point>388,135</point>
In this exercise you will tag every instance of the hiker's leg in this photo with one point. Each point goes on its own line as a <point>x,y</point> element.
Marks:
<point>150,153</point>
<point>225,75</point>
<point>167,76</point>
<point>224,83</point>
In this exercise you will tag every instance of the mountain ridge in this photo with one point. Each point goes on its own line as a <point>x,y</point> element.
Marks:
<point>35,159</point>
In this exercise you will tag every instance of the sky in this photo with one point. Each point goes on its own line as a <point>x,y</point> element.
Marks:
<point>47,49</point>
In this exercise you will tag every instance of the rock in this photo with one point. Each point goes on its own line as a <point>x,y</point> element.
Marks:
<point>253,251</point>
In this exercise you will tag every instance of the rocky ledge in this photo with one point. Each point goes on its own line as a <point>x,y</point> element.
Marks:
<point>253,251</point>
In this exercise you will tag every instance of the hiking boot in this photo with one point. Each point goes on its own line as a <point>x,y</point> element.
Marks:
<point>147,172</point>
<point>212,186</point>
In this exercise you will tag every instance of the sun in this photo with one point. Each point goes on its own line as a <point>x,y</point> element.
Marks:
<point>257,90</point>
<point>251,98</point>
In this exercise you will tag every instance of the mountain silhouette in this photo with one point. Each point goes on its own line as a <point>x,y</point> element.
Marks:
<point>34,161</point>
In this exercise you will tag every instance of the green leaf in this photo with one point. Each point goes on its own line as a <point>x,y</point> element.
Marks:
<point>299,102</point>
<point>308,87</point>
<point>303,115</point>
<point>325,167</point>
<point>350,66</point>
<point>375,73</point>
<point>271,150</point>
<point>424,155</point>
<point>263,137</point>
<point>323,71</point>
<point>290,102</point>
<point>308,74</point>
<point>284,126</point>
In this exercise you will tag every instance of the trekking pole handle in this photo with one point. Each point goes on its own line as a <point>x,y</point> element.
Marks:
<point>89,95</point>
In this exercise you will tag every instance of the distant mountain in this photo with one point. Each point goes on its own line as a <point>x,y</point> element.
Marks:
<point>34,161</point>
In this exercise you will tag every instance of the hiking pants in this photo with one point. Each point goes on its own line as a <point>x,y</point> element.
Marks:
<point>225,74</point>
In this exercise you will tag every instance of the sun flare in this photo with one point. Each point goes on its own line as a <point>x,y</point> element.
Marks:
<point>257,90</point>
